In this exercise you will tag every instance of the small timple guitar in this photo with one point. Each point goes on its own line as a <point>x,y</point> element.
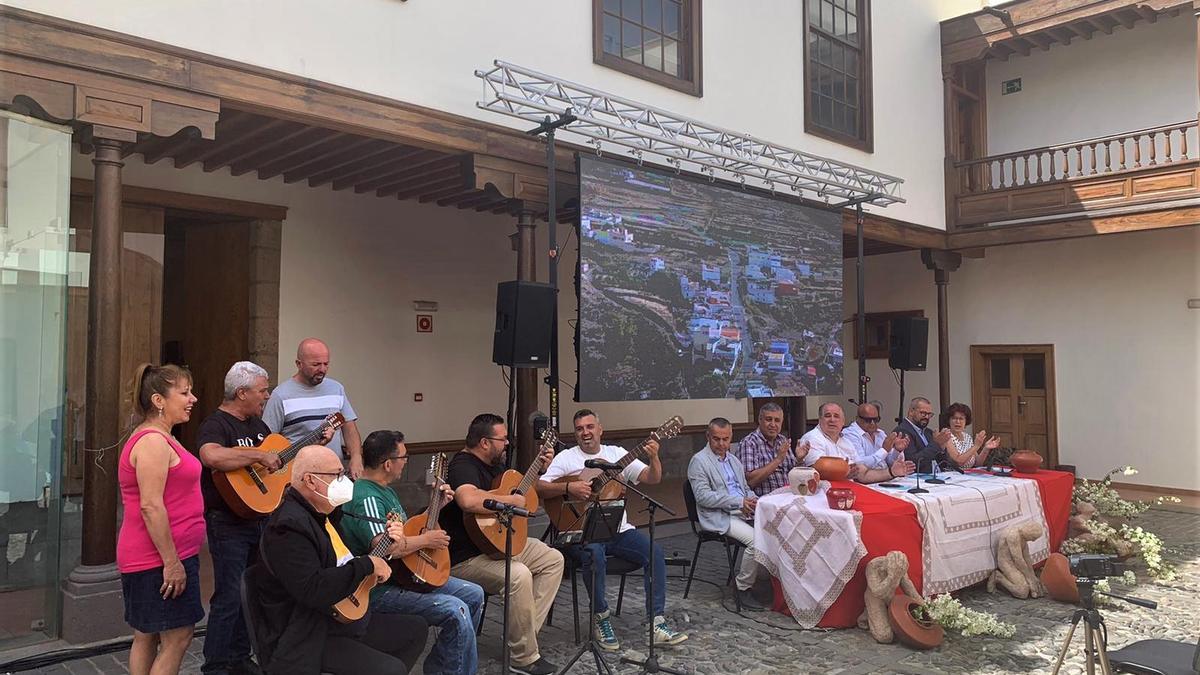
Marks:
<point>485,530</point>
<point>253,491</point>
<point>354,606</point>
<point>568,515</point>
<point>427,568</point>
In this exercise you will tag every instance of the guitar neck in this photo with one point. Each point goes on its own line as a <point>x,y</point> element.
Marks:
<point>288,454</point>
<point>636,453</point>
<point>530,476</point>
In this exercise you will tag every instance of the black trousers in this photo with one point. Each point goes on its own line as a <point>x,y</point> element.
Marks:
<point>391,646</point>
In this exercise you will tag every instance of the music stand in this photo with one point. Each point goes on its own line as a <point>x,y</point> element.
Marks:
<point>601,523</point>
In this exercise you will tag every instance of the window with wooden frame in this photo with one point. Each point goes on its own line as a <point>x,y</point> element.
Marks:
<point>837,68</point>
<point>655,40</point>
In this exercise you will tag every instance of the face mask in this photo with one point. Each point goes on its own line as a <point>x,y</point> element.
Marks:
<point>340,491</point>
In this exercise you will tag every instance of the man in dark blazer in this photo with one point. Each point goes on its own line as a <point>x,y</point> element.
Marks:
<point>924,446</point>
<point>298,580</point>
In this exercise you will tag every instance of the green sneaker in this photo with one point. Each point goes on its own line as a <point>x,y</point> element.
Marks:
<point>663,635</point>
<point>603,633</point>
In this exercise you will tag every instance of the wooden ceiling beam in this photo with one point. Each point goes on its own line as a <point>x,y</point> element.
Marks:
<point>1150,15</point>
<point>1061,34</point>
<point>1081,29</point>
<point>243,136</point>
<point>442,180</point>
<point>447,195</point>
<point>481,197</point>
<point>1125,19</point>
<point>169,146</point>
<point>458,198</point>
<point>346,174</point>
<point>367,147</point>
<point>280,148</point>
<point>386,169</point>
<point>336,142</point>
<point>390,182</point>
<point>1043,40</point>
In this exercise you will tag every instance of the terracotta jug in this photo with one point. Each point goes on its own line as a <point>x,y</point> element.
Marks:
<point>1026,461</point>
<point>832,468</point>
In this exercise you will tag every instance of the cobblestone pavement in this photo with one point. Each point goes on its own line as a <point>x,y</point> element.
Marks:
<point>722,641</point>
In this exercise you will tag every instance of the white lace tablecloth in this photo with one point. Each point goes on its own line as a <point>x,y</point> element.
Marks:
<point>812,549</point>
<point>963,520</point>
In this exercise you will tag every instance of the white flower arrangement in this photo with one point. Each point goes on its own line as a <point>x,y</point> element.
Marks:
<point>1102,537</point>
<point>950,613</point>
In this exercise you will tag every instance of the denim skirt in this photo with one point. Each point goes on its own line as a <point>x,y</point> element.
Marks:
<point>145,609</point>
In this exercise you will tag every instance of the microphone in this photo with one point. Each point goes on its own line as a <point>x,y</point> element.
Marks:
<point>493,505</point>
<point>603,465</point>
<point>933,469</point>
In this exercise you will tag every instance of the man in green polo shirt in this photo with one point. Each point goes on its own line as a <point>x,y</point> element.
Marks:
<point>455,607</point>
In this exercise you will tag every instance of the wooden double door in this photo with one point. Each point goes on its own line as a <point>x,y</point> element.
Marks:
<point>1013,396</point>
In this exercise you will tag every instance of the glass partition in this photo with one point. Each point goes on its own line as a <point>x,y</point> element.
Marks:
<point>34,253</point>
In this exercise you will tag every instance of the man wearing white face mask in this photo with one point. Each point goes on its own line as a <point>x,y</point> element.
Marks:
<point>306,569</point>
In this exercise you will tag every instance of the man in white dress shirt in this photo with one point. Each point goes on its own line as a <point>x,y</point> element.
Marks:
<point>876,448</point>
<point>828,440</point>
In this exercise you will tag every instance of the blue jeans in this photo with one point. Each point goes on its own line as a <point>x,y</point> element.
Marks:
<point>633,546</point>
<point>233,543</point>
<point>453,609</point>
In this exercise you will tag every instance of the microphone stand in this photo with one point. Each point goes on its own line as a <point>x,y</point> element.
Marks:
<point>650,664</point>
<point>918,490</point>
<point>504,516</point>
<point>933,467</point>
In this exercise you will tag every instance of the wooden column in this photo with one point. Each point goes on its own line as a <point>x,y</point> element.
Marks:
<point>526,378</point>
<point>942,263</point>
<point>102,421</point>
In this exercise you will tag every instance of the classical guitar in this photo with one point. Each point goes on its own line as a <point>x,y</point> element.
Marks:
<point>253,491</point>
<point>354,606</point>
<point>485,529</point>
<point>568,515</point>
<point>427,568</point>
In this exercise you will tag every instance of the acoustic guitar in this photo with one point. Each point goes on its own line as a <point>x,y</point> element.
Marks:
<point>254,491</point>
<point>427,568</point>
<point>569,515</point>
<point>354,606</point>
<point>485,529</point>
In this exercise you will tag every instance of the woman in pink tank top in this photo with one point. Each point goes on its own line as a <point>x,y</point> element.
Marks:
<point>163,528</point>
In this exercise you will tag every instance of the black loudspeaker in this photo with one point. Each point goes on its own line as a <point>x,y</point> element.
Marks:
<point>524,312</point>
<point>909,343</point>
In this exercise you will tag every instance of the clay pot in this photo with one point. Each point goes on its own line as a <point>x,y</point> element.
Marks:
<point>1026,461</point>
<point>841,499</point>
<point>1058,580</point>
<point>914,632</point>
<point>832,468</point>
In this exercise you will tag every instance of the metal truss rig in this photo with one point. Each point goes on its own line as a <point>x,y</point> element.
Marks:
<point>683,142</point>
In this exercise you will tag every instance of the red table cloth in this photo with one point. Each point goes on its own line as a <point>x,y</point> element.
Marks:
<point>891,524</point>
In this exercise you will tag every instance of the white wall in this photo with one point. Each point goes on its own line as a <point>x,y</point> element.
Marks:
<point>1133,79</point>
<point>1126,347</point>
<point>425,53</point>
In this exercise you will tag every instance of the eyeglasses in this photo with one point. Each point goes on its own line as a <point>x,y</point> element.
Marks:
<point>869,420</point>
<point>398,457</point>
<point>499,440</point>
<point>336,474</point>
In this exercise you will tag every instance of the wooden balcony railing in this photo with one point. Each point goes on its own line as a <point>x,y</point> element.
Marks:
<point>1059,178</point>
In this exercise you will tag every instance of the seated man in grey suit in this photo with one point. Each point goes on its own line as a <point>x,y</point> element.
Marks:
<point>724,501</point>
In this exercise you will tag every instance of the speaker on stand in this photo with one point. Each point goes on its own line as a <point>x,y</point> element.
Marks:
<point>908,347</point>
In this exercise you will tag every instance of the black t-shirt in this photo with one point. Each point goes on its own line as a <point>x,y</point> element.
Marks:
<point>226,431</point>
<point>465,468</point>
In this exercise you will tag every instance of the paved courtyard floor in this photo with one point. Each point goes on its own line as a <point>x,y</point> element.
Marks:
<point>723,641</point>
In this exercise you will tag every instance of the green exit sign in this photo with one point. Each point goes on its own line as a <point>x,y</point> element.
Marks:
<point>1010,87</point>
